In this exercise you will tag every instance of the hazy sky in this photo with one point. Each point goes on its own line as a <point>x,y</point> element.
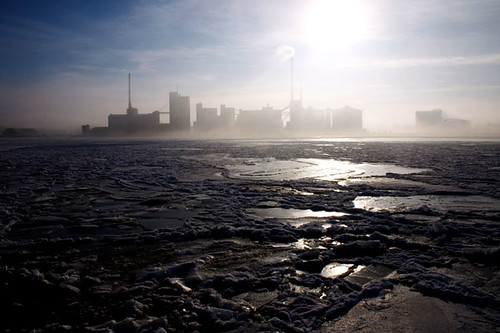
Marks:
<point>65,62</point>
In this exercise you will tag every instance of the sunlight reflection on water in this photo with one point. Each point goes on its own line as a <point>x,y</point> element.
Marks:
<point>335,269</point>
<point>434,202</point>
<point>301,244</point>
<point>291,213</point>
<point>321,169</point>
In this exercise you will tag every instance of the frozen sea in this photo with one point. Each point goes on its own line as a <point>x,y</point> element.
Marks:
<point>318,235</point>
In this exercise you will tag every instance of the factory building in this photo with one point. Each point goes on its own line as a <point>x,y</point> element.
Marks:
<point>324,121</point>
<point>180,112</point>
<point>132,121</point>
<point>347,119</point>
<point>434,122</point>
<point>297,116</point>
<point>269,121</point>
<point>149,123</point>
<point>314,121</point>
<point>227,117</point>
<point>266,120</point>
<point>127,123</point>
<point>429,118</point>
<point>206,118</point>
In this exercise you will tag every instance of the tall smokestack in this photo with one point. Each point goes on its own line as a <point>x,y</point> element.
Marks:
<point>129,101</point>
<point>291,68</point>
<point>301,90</point>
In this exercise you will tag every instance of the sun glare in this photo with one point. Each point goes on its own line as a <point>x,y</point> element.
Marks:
<point>334,23</point>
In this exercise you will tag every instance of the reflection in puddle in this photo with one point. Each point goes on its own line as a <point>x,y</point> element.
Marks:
<point>335,269</point>
<point>384,182</point>
<point>301,244</point>
<point>291,213</point>
<point>322,169</point>
<point>438,203</point>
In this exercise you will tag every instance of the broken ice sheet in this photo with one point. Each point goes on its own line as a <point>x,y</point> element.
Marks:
<point>153,224</point>
<point>440,203</point>
<point>364,274</point>
<point>165,218</point>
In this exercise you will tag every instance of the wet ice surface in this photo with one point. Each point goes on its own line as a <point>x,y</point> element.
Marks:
<point>441,203</point>
<point>292,213</point>
<point>292,236</point>
<point>322,169</point>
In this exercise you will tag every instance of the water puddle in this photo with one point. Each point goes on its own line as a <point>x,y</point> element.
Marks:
<point>336,269</point>
<point>291,213</point>
<point>321,169</point>
<point>383,182</point>
<point>301,244</point>
<point>439,203</point>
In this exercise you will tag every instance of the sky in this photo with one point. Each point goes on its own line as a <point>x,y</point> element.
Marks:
<point>65,63</point>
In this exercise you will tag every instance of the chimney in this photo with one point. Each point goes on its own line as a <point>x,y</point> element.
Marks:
<point>129,101</point>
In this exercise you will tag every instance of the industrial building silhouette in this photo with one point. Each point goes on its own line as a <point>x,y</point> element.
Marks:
<point>180,112</point>
<point>133,123</point>
<point>294,119</point>
<point>434,121</point>
<point>325,121</point>
<point>209,119</point>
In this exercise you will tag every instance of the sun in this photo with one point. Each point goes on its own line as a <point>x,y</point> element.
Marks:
<point>334,23</point>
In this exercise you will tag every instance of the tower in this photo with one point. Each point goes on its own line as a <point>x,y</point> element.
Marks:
<point>180,119</point>
<point>296,109</point>
<point>291,83</point>
<point>130,110</point>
